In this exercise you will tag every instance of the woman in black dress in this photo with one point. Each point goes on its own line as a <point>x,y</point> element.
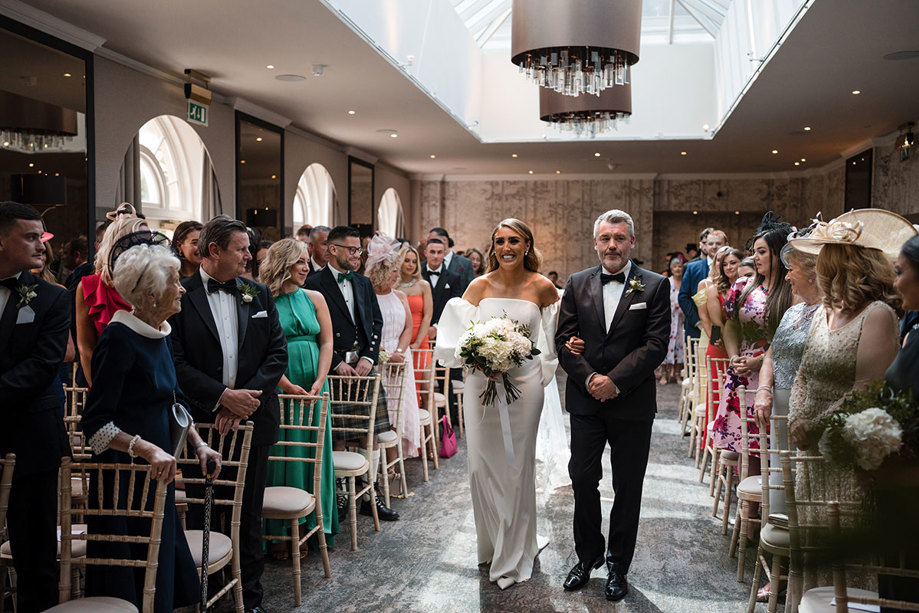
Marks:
<point>127,420</point>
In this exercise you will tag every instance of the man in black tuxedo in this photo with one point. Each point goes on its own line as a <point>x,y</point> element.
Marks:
<point>357,323</point>
<point>444,284</point>
<point>34,328</point>
<point>623,314</point>
<point>230,353</point>
<point>460,265</point>
<point>317,246</point>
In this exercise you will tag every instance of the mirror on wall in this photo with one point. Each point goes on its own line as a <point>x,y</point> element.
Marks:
<point>260,176</point>
<point>44,154</point>
<point>360,196</point>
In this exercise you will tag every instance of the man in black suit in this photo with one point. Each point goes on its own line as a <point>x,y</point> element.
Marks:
<point>34,328</point>
<point>623,314</point>
<point>454,262</point>
<point>711,241</point>
<point>444,284</point>
<point>317,246</point>
<point>230,353</point>
<point>357,323</point>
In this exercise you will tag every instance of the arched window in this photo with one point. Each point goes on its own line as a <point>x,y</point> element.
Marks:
<point>389,215</point>
<point>314,201</point>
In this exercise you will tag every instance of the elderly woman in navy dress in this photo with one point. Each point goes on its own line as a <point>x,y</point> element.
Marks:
<point>127,420</point>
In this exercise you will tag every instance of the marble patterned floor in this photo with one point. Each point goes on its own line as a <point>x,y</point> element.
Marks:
<point>426,561</point>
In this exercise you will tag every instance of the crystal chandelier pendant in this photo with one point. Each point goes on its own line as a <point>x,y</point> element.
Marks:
<point>586,115</point>
<point>570,75</point>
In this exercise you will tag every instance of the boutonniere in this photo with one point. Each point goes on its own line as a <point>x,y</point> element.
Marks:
<point>635,285</point>
<point>26,294</point>
<point>247,293</point>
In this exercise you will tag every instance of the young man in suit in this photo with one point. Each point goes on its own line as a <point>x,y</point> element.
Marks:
<point>230,353</point>
<point>34,328</point>
<point>622,313</point>
<point>454,262</point>
<point>357,323</point>
<point>317,246</point>
<point>444,284</point>
<point>711,241</point>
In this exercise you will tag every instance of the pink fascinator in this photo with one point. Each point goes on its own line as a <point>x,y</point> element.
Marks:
<point>382,248</point>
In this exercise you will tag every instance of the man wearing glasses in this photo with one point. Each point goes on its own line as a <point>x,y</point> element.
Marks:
<point>357,324</point>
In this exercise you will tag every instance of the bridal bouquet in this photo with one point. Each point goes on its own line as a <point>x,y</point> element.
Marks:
<point>871,426</point>
<point>494,347</point>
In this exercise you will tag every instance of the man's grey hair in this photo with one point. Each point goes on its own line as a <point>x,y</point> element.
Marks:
<point>142,269</point>
<point>317,230</point>
<point>615,216</point>
<point>218,230</point>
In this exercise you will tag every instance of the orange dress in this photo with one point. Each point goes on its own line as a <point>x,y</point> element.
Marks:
<point>421,361</point>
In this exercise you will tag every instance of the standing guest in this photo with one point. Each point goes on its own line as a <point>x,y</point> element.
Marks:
<point>97,300</point>
<point>126,418</point>
<point>444,284</point>
<point>746,268</point>
<point>478,261</point>
<point>230,353</point>
<point>384,265</point>
<point>903,374</point>
<point>553,276</point>
<point>305,320</point>
<point>673,362</point>
<point>711,241</point>
<point>44,271</point>
<point>74,258</point>
<point>754,308</point>
<point>34,326</point>
<point>260,254</point>
<point>421,304</point>
<point>701,298</point>
<point>358,324</point>
<point>318,248</point>
<point>303,233</point>
<point>692,250</point>
<point>454,262</point>
<point>251,270</point>
<point>185,244</point>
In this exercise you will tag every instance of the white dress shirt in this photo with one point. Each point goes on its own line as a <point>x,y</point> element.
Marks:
<point>612,294</point>
<point>223,308</point>
<point>347,291</point>
<point>316,266</point>
<point>438,273</point>
<point>448,258</point>
<point>6,294</point>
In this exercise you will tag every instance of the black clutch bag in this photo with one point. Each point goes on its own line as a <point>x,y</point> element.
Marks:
<point>179,422</point>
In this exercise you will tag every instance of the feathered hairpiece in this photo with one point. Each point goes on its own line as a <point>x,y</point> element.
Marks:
<point>769,224</point>
<point>144,237</point>
<point>381,248</point>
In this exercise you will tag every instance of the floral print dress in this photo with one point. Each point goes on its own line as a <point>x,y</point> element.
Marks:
<point>754,341</point>
<point>675,347</point>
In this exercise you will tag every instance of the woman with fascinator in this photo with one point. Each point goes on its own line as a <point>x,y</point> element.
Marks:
<point>383,267</point>
<point>305,319</point>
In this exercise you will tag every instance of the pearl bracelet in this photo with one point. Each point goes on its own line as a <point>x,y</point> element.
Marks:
<point>131,446</point>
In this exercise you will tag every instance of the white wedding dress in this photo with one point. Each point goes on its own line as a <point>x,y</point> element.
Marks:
<point>502,460</point>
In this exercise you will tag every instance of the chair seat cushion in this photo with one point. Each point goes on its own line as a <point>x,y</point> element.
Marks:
<point>751,488</point>
<point>458,385</point>
<point>424,416</point>
<point>818,600</point>
<point>219,546</point>
<point>700,410</point>
<point>348,460</point>
<point>78,549</point>
<point>76,487</point>
<point>686,382</point>
<point>181,496</point>
<point>439,399</point>
<point>95,604</point>
<point>729,457</point>
<point>774,536</point>
<point>284,500</point>
<point>389,436</point>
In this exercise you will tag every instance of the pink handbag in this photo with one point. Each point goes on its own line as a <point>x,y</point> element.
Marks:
<point>447,439</point>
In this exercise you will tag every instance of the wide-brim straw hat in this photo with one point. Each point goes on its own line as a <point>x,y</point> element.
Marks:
<point>867,228</point>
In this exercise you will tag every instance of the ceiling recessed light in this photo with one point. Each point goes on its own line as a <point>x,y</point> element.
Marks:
<point>531,172</point>
<point>597,154</point>
<point>558,172</point>
<point>807,128</point>
<point>737,212</point>
<point>856,92</point>
<point>433,156</point>
<point>683,153</point>
<point>67,74</point>
<point>270,66</point>
<point>32,164</point>
<point>242,161</point>
<point>797,163</point>
<point>290,77</point>
<point>705,127</point>
<point>352,112</point>
<point>258,139</point>
<point>695,212</point>
<point>513,155</point>
<point>393,135</point>
<point>803,159</point>
<point>775,151</point>
<point>274,176</point>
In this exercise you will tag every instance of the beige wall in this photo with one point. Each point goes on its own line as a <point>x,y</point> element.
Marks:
<point>895,184</point>
<point>299,153</point>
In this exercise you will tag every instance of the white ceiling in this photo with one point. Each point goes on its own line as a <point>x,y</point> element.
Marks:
<point>837,47</point>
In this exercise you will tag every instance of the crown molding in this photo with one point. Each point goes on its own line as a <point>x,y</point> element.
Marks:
<point>646,176</point>
<point>361,155</point>
<point>315,138</point>
<point>260,112</point>
<point>49,24</point>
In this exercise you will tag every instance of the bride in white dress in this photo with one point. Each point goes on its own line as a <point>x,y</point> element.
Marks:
<point>502,461</point>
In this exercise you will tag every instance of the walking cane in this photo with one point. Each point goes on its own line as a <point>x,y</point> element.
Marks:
<point>206,537</point>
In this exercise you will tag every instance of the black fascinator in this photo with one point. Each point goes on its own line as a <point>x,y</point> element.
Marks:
<point>771,223</point>
<point>144,237</point>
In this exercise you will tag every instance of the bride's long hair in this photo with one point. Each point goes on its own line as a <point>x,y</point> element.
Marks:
<point>531,261</point>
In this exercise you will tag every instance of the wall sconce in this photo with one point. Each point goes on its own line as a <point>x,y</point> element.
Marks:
<point>906,140</point>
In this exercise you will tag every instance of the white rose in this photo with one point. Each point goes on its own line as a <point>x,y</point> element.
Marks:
<point>874,434</point>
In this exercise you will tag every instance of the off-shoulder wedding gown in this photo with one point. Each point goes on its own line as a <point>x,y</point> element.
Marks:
<point>502,459</point>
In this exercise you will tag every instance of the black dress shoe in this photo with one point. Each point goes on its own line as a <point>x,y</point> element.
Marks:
<point>383,512</point>
<point>616,585</point>
<point>580,574</point>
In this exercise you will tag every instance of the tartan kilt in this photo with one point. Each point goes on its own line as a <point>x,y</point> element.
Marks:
<point>381,423</point>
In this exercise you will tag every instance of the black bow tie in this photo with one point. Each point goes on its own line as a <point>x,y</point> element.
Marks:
<point>12,283</point>
<point>605,278</point>
<point>216,286</point>
<point>433,272</point>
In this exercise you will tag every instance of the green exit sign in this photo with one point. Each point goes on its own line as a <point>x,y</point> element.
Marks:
<point>197,113</point>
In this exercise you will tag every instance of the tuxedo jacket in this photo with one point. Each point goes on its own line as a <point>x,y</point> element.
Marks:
<point>449,286</point>
<point>34,340</point>
<point>261,351</point>
<point>628,353</point>
<point>462,267</point>
<point>362,335</point>
<point>694,272</point>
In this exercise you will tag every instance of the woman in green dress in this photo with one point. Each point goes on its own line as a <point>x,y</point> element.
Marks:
<point>305,319</point>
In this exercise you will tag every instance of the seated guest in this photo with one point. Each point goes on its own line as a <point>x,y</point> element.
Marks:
<point>126,417</point>
<point>358,325</point>
<point>97,300</point>
<point>384,265</point>
<point>304,317</point>
<point>34,326</point>
<point>185,244</point>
